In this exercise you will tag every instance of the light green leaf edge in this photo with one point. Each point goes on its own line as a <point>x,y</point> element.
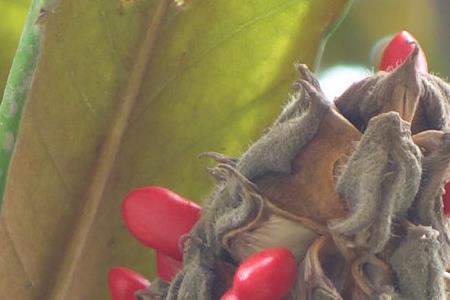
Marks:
<point>17,86</point>
<point>329,32</point>
<point>22,71</point>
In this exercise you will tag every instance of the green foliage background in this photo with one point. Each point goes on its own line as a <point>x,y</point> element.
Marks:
<point>367,22</point>
<point>370,21</point>
<point>12,16</point>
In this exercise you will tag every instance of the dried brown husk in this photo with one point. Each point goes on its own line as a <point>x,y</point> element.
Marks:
<point>314,171</point>
<point>384,92</point>
<point>292,231</point>
<point>318,273</point>
<point>421,99</point>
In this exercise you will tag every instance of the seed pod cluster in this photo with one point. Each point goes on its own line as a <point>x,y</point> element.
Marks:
<point>352,187</point>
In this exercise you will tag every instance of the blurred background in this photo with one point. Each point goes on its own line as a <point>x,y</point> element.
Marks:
<point>349,53</point>
<point>12,18</point>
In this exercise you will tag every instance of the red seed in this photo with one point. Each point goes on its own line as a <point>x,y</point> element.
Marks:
<point>446,200</point>
<point>158,217</point>
<point>230,295</point>
<point>398,49</point>
<point>167,267</point>
<point>123,283</point>
<point>266,275</point>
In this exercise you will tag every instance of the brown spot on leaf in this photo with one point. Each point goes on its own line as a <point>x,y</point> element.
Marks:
<point>182,4</point>
<point>42,16</point>
<point>111,242</point>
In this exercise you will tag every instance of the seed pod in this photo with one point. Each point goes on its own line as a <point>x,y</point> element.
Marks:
<point>351,172</point>
<point>420,98</point>
<point>314,172</point>
<point>419,265</point>
<point>380,181</point>
<point>433,111</point>
<point>293,232</point>
<point>397,91</point>
<point>322,261</point>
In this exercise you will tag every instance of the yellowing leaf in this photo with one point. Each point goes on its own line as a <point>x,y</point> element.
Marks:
<point>124,94</point>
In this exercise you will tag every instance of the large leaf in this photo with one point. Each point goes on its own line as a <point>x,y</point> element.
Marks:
<point>124,94</point>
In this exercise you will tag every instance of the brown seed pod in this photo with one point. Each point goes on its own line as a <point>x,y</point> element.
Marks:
<point>293,231</point>
<point>314,170</point>
<point>372,278</point>
<point>434,104</point>
<point>421,99</point>
<point>420,265</point>
<point>318,273</point>
<point>395,91</point>
<point>335,183</point>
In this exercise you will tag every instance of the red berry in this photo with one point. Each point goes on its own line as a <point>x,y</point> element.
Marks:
<point>446,200</point>
<point>158,217</point>
<point>230,295</point>
<point>398,49</point>
<point>266,275</point>
<point>123,283</point>
<point>167,267</point>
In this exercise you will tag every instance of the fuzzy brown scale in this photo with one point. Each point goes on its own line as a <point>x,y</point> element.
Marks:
<point>353,188</point>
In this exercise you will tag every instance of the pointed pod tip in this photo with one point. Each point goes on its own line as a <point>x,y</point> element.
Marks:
<point>401,47</point>
<point>301,68</point>
<point>409,65</point>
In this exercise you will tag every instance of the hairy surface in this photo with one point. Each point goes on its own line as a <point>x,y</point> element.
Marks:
<point>381,180</point>
<point>360,181</point>
<point>420,265</point>
<point>232,205</point>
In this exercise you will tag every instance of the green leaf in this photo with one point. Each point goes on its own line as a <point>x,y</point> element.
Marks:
<point>124,94</point>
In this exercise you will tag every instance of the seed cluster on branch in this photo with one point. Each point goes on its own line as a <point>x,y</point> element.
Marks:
<point>353,188</point>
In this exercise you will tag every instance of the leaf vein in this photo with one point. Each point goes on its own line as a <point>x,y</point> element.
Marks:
<point>52,159</point>
<point>71,74</point>
<point>209,50</point>
<point>103,166</point>
<point>108,32</point>
<point>16,252</point>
